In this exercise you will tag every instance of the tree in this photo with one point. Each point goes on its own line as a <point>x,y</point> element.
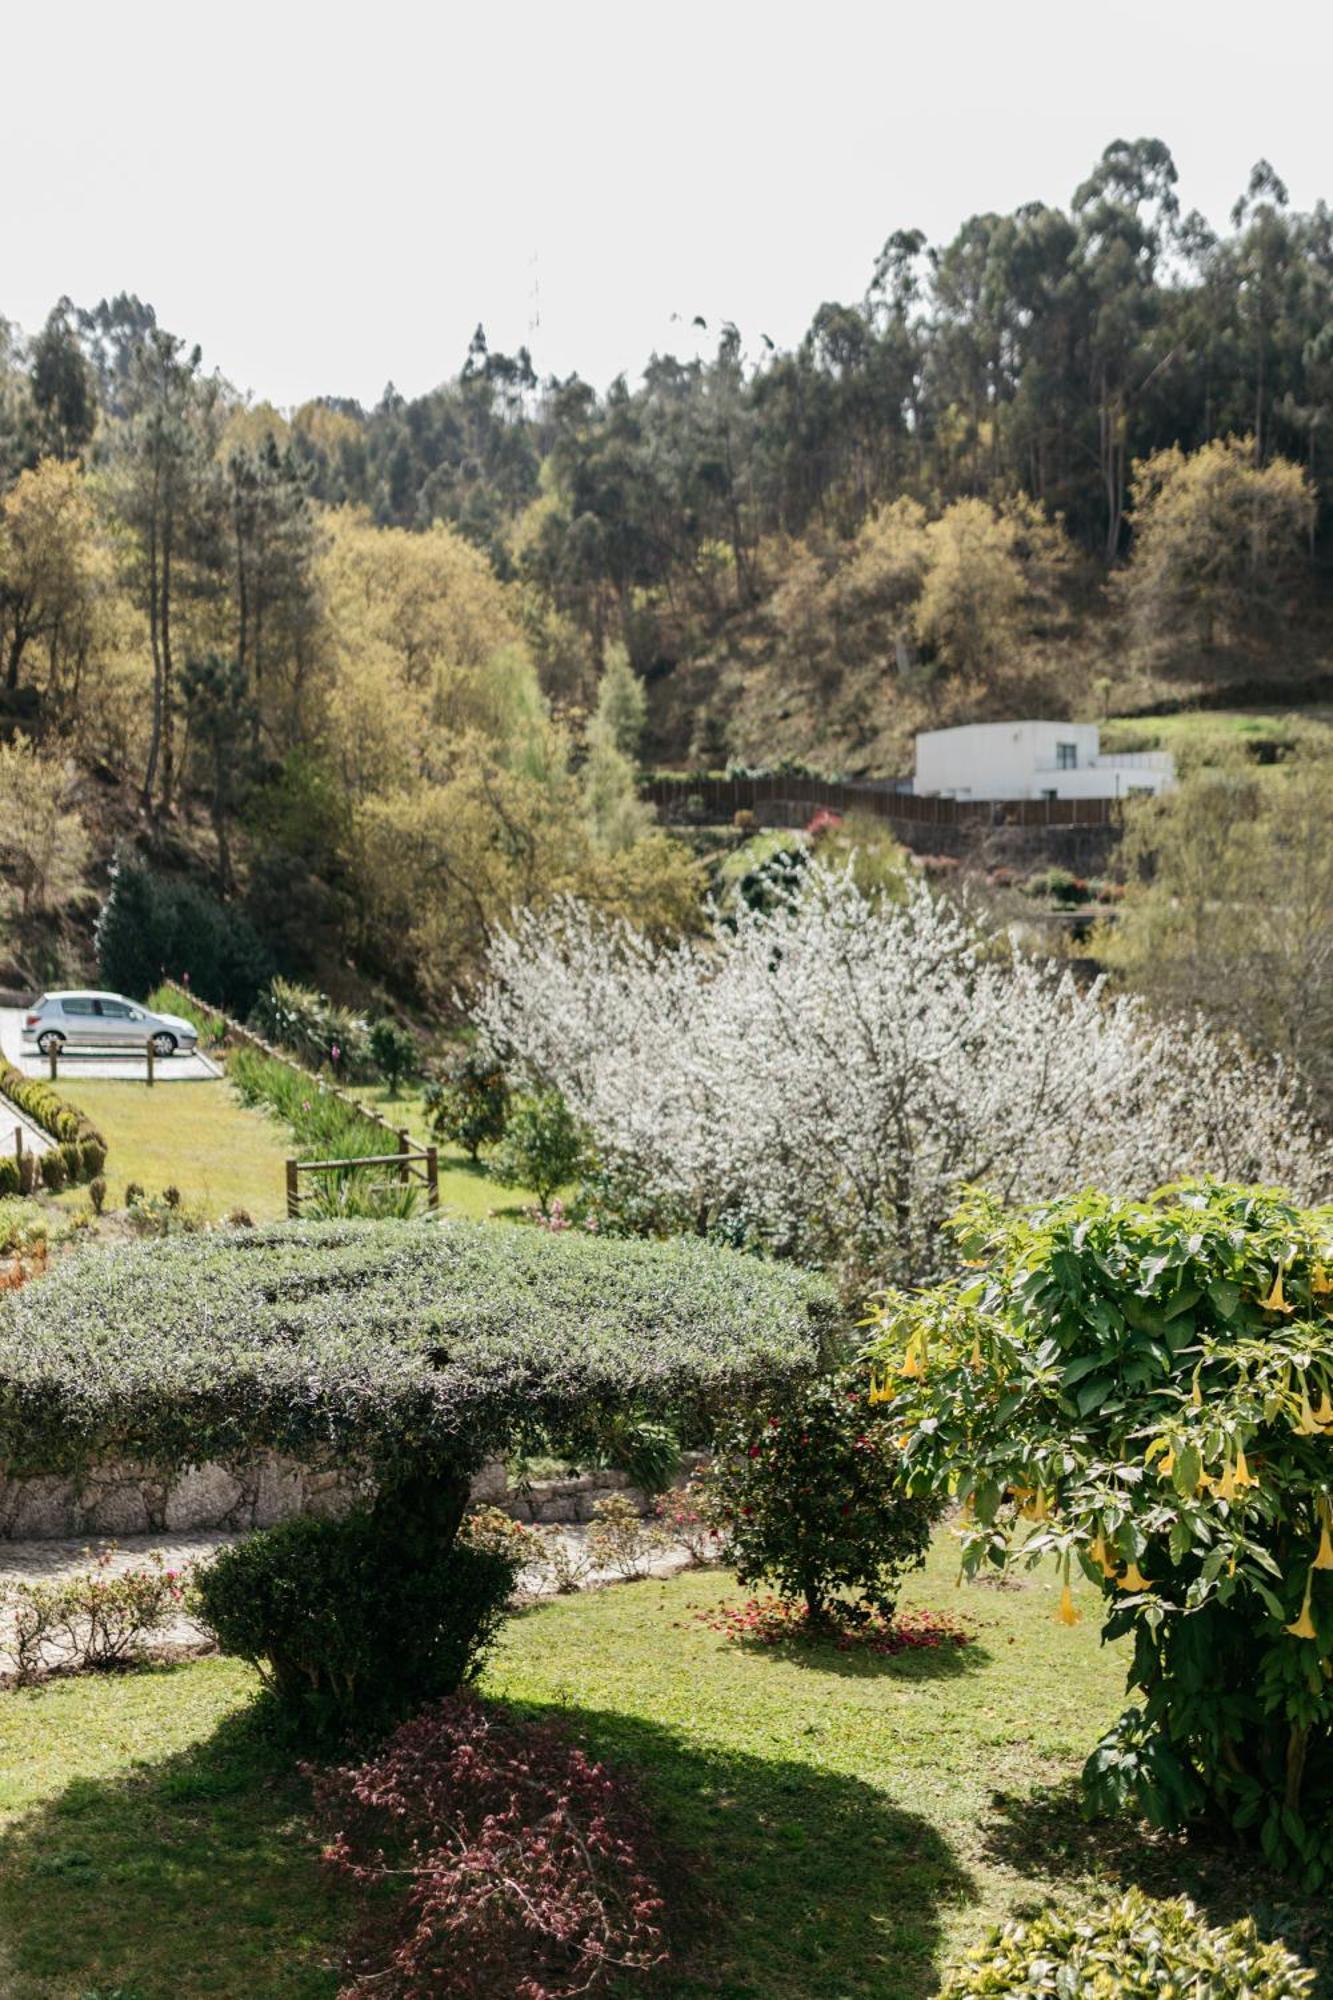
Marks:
<point>822,1077</point>
<point>215,694</point>
<point>43,845</point>
<point>541,1148</point>
<point>1219,542</point>
<point>1229,907</point>
<point>52,573</point>
<point>622,704</point>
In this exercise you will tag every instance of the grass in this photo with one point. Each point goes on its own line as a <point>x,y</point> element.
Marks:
<point>850,1822</point>
<point>194,1136</point>
<point>1199,735</point>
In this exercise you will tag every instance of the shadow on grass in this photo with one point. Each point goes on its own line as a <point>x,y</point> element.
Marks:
<point>1226,1879</point>
<point>189,1877</point>
<point>198,1876</point>
<point>797,1883</point>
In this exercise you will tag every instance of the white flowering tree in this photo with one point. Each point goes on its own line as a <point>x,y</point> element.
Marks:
<point>826,1076</point>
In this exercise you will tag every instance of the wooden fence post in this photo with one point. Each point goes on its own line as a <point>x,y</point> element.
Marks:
<point>148,1051</point>
<point>55,1059</point>
<point>404,1148</point>
<point>432,1177</point>
<point>293,1194</point>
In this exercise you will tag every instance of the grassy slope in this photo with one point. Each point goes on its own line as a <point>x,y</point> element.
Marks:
<point>851,1823</point>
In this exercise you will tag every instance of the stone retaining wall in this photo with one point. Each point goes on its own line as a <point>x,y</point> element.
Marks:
<point>116,1500</point>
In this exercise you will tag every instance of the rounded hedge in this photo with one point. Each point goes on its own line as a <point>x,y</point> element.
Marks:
<point>383,1346</point>
<point>1137,1949</point>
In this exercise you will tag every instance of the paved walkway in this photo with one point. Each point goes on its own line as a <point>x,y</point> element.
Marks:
<point>12,1120</point>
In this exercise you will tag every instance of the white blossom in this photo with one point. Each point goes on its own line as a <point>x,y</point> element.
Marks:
<point>827,1076</point>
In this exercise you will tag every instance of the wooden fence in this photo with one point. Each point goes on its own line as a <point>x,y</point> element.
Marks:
<point>792,800</point>
<point>408,1164</point>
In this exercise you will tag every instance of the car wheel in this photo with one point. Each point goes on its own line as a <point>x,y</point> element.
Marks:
<point>164,1044</point>
<point>50,1041</point>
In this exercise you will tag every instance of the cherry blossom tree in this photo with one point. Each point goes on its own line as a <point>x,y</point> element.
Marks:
<point>824,1077</point>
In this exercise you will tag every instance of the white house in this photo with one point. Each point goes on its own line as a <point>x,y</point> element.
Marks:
<point>1034,760</point>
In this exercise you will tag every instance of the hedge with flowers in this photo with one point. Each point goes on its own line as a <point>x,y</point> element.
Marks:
<point>1145,1389</point>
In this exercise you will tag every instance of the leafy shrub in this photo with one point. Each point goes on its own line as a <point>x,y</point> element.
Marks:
<point>52,1168</point>
<point>686,1520</point>
<point>134,1192</point>
<point>83,1149</point>
<point>310,1604</point>
<point>467,1098</point>
<point>97,1193</point>
<point>1149,1388</point>
<point>621,1540</point>
<point>151,925</point>
<point>543,1146</point>
<point>394,1052</point>
<point>491,1528</point>
<point>94,1619</point>
<point>315,1030</point>
<point>808,1485</point>
<point>497,1857</point>
<point>9,1177</point>
<point>1137,1948</point>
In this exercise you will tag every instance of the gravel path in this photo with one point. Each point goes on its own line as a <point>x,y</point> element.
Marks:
<point>20,1561</point>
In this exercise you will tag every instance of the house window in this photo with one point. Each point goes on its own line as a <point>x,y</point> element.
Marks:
<point>1052,794</point>
<point>1066,756</point>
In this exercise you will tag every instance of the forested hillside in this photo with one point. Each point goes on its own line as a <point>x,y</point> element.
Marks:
<point>380,674</point>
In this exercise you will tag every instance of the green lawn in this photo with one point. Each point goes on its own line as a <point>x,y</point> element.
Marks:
<point>194,1136</point>
<point>847,1823</point>
<point>222,1155</point>
<point>1198,734</point>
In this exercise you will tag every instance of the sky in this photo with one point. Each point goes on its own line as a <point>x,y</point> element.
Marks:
<point>331,197</point>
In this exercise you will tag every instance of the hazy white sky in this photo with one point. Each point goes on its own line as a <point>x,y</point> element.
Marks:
<point>330,196</point>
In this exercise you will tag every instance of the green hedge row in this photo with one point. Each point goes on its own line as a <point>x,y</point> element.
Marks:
<point>384,1347</point>
<point>79,1153</point>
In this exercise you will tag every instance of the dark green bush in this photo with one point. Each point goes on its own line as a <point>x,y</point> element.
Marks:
<point>153,925</point>
<point>52,1169</point>
<point>807,1483</point>
<point>1136,1949</point>
<point>9,1176</point>
<point>92,1158</point>
<point>468,1099</point>
<point>543,1147</point>
<point>394,1052</point>
<point>72,1155</point>
<point>309,1604</point>
<point>97,1193</point>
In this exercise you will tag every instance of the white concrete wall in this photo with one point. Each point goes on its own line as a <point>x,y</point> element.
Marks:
<point>1020,760</point>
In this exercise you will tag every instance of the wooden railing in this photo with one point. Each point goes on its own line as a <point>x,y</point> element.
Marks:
<point>422,1165</point>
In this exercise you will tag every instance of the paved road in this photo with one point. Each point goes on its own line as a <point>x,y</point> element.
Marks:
<point>197,1068</point>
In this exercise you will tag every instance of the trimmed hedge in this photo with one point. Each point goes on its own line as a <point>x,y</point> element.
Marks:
<point>408,1352</point>
<point>80,1147</point>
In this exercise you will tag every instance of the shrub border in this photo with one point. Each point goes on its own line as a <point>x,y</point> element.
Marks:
<point>35,1098</point>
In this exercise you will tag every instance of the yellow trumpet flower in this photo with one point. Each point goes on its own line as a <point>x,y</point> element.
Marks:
<point>1323,1416</point>
<point>976,1359</point>
<point>1276,1302</point>
<point>1225,1487</point>
<point>1319,1280</point>
<point>1308,1425</point>
<point>1324,1557</point>
<point>1101,1555</point>
<point>1196,1393</point>
<point>1304,1626</point>
<point>1067,1615</point>
<point>914,1363</point>
<point>1134,1579</point>
<point>1035,1508</point>
<point>1241,1474</point>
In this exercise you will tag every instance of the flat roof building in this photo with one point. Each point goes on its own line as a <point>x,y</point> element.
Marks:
<point>1034,760</point>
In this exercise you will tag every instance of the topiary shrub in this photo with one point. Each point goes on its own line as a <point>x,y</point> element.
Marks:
<point>52,1169</point>
<point>807,1485</point>
<point>394,1052</point>
<point>1146,1389</point>
<point>9,1177</point>
<point>308,1604</point>
<point>1137,1949</point>
<point>80,1143</point>
<point>97,1193</point>
<point>495,1857</point>
<point>407,1354</point>
<point>467,1099</point>
<point>543,1147</point>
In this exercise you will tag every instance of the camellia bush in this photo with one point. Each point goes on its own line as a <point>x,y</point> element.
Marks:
<point>1144,1390</point>
<point>405,1354</point>
<point>825,1074</point>
<point>806,1486</point>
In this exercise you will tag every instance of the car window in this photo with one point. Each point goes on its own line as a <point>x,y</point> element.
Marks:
<point>73,1006</point>
<point>117,1010</point>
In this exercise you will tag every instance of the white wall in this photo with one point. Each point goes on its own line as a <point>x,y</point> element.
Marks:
<point>1020,760</point>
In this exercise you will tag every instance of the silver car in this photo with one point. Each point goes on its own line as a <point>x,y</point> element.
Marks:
<point>103,1021</point>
